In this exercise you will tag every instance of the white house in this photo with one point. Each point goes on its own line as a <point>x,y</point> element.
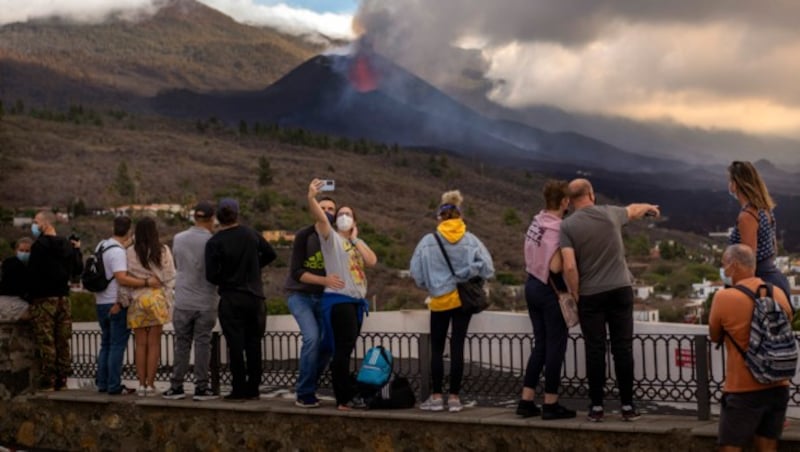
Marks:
<point>642,313</point>
<point>643,292</point>
<point>701,291</point>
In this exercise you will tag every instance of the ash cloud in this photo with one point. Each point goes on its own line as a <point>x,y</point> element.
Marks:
<point>707,63</point>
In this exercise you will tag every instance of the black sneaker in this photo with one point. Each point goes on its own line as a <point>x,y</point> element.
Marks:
<point>630,413</point>
<point>528,408</point>
<point>173,394</point>
<point>595,414</point>
<point>124,390</point>
<point>204,394</point>
<point>60,383</point>
<point>235,397</point>
<point>556,411</point>
<point>307,401</point>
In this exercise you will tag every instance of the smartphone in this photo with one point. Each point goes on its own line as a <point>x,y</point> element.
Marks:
<point>328,185</point>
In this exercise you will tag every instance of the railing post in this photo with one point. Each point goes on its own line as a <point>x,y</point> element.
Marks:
<point>701,374</point>
<point>424,355</point>
<point>215,362</point>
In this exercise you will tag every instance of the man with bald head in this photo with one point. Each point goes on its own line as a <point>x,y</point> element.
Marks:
<point>53,261</point>
<point>751,411</point>
<point>597,276</point>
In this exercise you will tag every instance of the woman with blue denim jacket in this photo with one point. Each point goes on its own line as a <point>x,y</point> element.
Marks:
<point>469,258</point>
<point>343,305</point>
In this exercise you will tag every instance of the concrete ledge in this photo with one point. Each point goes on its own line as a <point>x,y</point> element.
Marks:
<point>83,420</point>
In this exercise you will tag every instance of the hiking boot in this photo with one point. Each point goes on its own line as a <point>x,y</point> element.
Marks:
<point>432,404</point>
<point>630,413</point>
<point>173,394</point>
<point>454,405</point>
<point>595,414</point>
<point>307,401</point>
<point>204,394</point>
<point>551,411</point>
<point>528,408</point>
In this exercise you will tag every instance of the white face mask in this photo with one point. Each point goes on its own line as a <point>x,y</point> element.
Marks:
<point>344,222</point>
<point>727,280</point>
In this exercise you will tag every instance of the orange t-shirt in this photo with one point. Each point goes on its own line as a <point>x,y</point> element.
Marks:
<point>732,311</point>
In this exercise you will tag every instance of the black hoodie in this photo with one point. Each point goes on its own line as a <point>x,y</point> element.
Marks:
<point>52,263</point>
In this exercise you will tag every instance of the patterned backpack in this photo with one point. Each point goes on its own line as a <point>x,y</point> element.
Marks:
<point>771,353</point>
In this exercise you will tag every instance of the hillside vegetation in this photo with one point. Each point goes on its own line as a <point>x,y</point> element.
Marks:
<point>76,158</point>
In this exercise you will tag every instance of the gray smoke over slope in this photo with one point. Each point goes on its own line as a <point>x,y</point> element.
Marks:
<point>707,63</point>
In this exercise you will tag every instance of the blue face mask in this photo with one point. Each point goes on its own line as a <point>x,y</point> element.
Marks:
<point>24,256</point>
<point>35,230</point>
<point>331,218</point>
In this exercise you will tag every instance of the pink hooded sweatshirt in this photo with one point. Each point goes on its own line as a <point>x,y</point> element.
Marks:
<point>541,242</point>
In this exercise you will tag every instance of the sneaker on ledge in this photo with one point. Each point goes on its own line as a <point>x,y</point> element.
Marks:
<point>630,413</point>
<point>123,390</point>
<point>141,391</point>
<point>556,411</point>
<point>307,401</point>
<point>204,394</point>
<point>173,394</point>
<point>528,408</point>
<point>432,404</point>
<point>454,405</point>
<point>595,414</point>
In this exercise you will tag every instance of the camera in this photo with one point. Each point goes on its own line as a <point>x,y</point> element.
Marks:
<point>328,185</point>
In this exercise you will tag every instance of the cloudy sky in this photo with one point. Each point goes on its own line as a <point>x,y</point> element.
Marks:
<point>715,64</point>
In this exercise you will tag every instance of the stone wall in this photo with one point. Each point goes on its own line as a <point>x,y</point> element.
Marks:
<point>17,360</point>
<point>149,424</point>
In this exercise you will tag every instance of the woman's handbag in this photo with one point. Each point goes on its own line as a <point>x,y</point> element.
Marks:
<point>473,297</point>
<point>569,307</point>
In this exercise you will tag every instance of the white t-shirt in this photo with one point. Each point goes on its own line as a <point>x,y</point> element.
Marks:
<point>343,259</point>
<point>114,260</point>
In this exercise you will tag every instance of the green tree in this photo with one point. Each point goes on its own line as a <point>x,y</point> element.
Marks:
<point>638,245</point>
<point>264,172</point>
<point>123,183</point>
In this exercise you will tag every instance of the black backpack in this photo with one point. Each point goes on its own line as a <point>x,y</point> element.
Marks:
<point>94,272</point>
<point>396,394</point>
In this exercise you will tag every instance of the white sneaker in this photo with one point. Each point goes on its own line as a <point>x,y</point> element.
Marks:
<point>432,404</point>
<point>141,391</point>
<point>152,392</point>
<point>454,405</point>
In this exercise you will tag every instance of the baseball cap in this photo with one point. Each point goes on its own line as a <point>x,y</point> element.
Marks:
<point>204,209</point>
<point>229,204</point>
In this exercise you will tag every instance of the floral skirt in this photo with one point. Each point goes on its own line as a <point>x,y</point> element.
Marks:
<point>150,308</point>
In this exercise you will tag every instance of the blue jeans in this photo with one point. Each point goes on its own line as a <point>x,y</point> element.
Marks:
<point>113,341</point>
<point>307,311</point>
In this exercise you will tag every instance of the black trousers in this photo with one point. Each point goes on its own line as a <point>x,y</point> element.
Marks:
<point>550,336</point>
<point>244,319</point>
<point>440,322</point>
<point>344,322</point>
<point>615,309</point>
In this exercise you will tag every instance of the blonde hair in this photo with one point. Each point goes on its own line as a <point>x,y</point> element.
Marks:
<point>452,197</point>
<point>451,205</point>
<point>750,185</point>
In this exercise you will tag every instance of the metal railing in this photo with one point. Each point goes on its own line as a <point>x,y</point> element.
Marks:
<point>668,367</point>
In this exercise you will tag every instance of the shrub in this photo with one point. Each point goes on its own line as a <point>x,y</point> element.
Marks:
<point>82,305</point>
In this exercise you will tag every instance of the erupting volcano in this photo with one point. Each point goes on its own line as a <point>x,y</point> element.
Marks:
<point>362,75</point>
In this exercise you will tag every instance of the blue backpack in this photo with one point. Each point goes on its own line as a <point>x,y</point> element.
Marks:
<point>376,368</point>
<point>771,354</point>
